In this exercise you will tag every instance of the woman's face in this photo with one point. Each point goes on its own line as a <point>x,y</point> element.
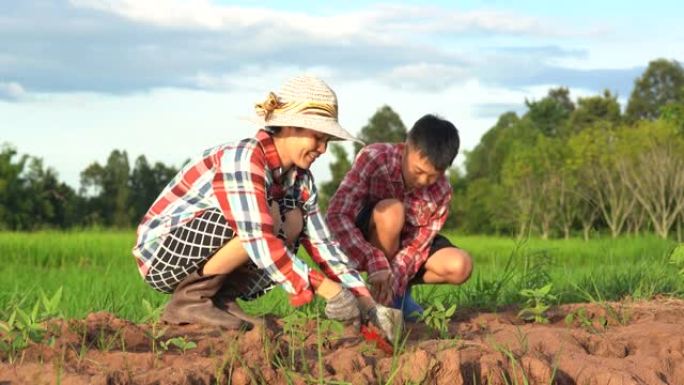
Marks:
<point>303,146</point>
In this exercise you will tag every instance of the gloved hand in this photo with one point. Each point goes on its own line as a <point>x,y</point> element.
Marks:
<point>388,320</point>
<point>343,307</point>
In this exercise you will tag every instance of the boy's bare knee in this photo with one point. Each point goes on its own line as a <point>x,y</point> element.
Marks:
<point>460,267</point>
<point>389,216</point>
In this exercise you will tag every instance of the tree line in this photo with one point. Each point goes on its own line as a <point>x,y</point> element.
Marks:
<point>562,168</point>
<point>110,195</point>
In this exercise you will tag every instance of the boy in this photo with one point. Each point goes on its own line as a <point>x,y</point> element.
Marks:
<point>389,209</point>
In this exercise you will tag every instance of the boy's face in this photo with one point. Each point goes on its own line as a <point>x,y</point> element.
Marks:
<point>417,170</point>
<point>304,146</point>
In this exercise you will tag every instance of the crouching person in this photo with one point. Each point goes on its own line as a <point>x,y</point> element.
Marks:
<point>389,209</point>
<point>229,224</point>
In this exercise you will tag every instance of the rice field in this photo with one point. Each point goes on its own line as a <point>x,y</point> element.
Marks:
<point>97,272</point>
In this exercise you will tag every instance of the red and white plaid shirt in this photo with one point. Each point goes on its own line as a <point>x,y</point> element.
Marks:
<point>239,179</point>
<point>374,176</point>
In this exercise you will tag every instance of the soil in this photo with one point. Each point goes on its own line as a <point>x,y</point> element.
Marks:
<point>625,343</point>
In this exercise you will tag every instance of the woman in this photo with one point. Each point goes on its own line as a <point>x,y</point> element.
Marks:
<point>229,224</point>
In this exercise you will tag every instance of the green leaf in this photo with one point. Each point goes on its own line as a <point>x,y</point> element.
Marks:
<point>34,312</point>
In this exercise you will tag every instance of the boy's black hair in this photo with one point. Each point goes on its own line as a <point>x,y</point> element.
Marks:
<point>435,138</point>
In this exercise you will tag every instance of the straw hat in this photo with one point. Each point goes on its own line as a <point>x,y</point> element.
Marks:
<point>303,101</point>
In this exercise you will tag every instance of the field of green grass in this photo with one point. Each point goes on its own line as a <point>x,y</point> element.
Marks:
<point>97,272</point>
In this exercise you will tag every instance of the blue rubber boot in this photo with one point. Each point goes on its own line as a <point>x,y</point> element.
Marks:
<point>409,308</point>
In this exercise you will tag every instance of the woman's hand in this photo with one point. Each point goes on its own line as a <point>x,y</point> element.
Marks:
<point>343,307</point>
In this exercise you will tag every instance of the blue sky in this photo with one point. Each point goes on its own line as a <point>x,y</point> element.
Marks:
<point>168,78</point>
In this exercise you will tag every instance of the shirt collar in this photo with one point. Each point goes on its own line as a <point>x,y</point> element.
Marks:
<point>265,138</point>
<point>397,155</point>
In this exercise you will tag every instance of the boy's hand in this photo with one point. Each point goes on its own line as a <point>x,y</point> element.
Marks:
<point>389,321</point>
<point>381,286</point>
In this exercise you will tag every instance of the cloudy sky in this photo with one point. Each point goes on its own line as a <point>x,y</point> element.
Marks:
<point>168,78</point>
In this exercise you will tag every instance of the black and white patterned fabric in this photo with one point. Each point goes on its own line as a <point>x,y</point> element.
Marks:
<point>188,248</point>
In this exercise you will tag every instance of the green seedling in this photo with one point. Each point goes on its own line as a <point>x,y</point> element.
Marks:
<point>105,340</point>
<point>155,334</point>
<point>537,302</point>
<point>23,327</point>
<point>12,341</point>
<point>585,322</point>
<point>677,258</point>
<point>620,316</point>
<point>179,342</point>
<point>152,313</point>
<point>437,318</point>
<point>51,305</point>
<point>294,325</point>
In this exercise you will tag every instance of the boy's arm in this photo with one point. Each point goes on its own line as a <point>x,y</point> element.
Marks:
<point>326,252</point>
<point>345,205</point>
<point>239,186</point>
<point>416,247</point>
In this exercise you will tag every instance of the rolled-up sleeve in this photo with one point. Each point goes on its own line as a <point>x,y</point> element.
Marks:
<point>326,251</point>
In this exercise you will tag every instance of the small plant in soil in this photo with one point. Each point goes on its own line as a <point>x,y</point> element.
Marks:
<point>155,334</point>
<point>180,342</point>
<point>619,315</point>
<point>294,326</point>
<point>437,318</point>
<point>585,322</point>
<point>23,327</point>
<point>152,313</point>
<point>105,339</point>
<point>537,302</point>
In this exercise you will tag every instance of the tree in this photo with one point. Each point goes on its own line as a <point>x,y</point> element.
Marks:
<point>522,183</point>
<point>550,114</point>
<point>674,114</point>
<point>14,202</point>
<point>40,185</point>
<point>338,169</point>
<point>654,173</point>
<point>456,206</point>
<point>595,154</point>
<point>662,83</point>
<point>146,182</point>
<point>595,110</point>
<point>486,159</point>
<point>109,190</point>
<point>384,126</point>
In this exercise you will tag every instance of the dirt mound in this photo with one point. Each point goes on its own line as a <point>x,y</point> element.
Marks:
<point>587,344</point>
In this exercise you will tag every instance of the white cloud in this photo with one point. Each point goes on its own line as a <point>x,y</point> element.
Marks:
<point>12,91</point>
<point>426,76</point>
<point>379,21</point>
<point>124,46</point>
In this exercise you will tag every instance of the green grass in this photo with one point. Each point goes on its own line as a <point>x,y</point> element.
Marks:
<point>98,272</point>
<point>601,269</point>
